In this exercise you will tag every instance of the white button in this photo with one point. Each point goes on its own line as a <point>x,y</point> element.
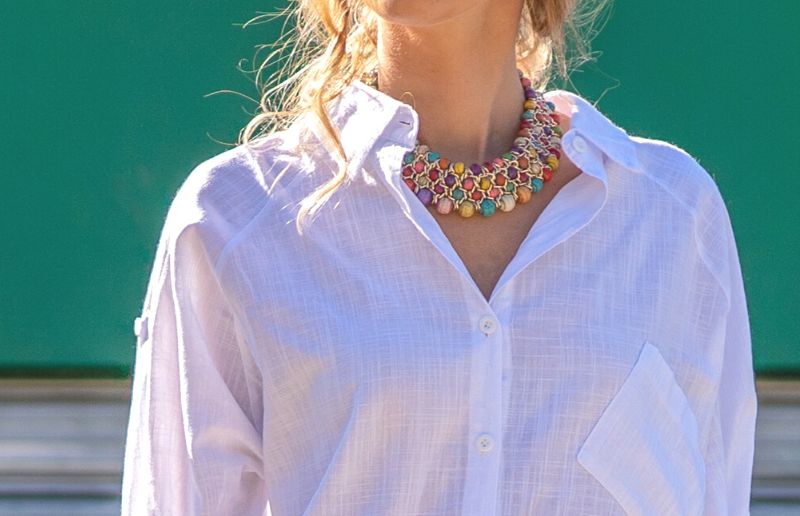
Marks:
<point>484,443</point>
<point>579,144</point>
<point>487,324</point>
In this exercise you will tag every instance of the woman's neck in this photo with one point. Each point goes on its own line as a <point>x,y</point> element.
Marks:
<point>460,76</point>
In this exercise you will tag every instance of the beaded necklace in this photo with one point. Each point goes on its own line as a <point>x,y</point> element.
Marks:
<point>497,184</point>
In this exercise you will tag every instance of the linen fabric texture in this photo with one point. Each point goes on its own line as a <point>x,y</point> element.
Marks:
<point>358,369</point>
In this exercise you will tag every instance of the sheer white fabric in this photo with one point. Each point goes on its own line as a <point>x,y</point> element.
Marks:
<point>358,370</point>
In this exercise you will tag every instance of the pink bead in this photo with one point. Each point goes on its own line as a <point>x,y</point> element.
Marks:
<point>444,206</point>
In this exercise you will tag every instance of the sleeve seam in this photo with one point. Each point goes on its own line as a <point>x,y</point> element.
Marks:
<point>700,248</point>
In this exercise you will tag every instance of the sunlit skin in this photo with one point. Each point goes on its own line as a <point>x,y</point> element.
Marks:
<point>456,65</point>
<point>457,60</point>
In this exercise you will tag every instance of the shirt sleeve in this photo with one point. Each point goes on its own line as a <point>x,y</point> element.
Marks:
<point>737,402</point>
<point>194,435</point>
<point>737,394</point>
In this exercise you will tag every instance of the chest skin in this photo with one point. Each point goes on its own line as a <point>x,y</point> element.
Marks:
<point>486,245</point>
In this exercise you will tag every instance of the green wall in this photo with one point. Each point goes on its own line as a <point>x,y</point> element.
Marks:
<point>106,108</point>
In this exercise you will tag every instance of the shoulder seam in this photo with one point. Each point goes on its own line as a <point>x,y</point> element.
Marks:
<point>241,233</point>
<point>701,250</point>
<point>236,237</point>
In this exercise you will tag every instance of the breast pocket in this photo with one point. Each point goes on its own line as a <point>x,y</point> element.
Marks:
<point>644,448</point>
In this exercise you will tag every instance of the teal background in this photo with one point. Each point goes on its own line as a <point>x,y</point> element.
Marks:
<point>107,107</point>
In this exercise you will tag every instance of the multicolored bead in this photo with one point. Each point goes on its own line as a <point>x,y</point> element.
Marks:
<point>506,202</point>
<point>496,184</point>
<point>523,194</point>
<point>444,206</point>
<point>467,209</point>
<point>487,207</point>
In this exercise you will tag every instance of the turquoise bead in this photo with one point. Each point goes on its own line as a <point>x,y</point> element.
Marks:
<point>408,158</point>
<point>536,184</point>
<point>487,207</point>
<point>527,115</point>
<point>550,105</point>
<point>433,156</point>
<point>458,194</point>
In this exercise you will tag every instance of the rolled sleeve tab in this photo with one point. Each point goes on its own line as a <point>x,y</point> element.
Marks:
<point>140,327</point>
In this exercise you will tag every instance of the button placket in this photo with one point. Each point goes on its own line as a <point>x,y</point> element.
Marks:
<point>484,443</point>
<point>485,414</point>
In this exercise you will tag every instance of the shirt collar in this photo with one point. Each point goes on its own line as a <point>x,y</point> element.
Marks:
<point>365,116</point>
<point>586,120</point>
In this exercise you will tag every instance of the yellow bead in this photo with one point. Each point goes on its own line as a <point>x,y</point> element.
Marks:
<point>552,160</point>
<point>458,168</point>
<point>523,194</point>
<point>529,104</point>
<point>485,183</point>
<point>467,209</point>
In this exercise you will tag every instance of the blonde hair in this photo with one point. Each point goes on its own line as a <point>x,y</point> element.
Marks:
<point>333,42</point>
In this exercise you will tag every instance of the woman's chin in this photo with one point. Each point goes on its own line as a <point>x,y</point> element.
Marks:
<point>420,13</point>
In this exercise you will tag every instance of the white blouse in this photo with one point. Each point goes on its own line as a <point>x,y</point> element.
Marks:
<point>358,370</point>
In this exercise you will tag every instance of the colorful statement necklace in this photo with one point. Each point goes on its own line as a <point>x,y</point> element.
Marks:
<point>497,184</point>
